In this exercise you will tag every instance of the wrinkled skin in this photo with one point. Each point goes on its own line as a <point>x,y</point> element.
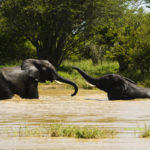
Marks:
<point>116,86</point>
<point>23,80</point>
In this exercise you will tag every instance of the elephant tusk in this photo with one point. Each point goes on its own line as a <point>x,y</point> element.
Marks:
<point>58,82</point>
<point>91,85</point>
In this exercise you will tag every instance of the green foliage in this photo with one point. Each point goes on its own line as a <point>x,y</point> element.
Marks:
<point>81,29</point>
<point>88,41</point>
<point>131,44</point>
<point>59,130</point>
<point>97,35</point>
<point>94,70</point>
<point>12,49</point>
<point>99,70</point>
<point>46,24</point>
<point>146,133</point>
<point>12,46</point>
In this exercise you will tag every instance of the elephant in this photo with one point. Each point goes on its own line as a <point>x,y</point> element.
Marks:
<point>23,80</point>
<point>117,87</point>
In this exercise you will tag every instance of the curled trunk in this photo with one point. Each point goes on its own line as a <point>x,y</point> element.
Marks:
<point>42,70</point>
<point>61,79</point>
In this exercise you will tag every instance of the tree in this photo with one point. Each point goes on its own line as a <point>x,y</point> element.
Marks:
<point>50,24</point>
<point>12,47</point>
<point>45,23</point>
<point>142,54</point>
<point>131,43</point>
<point>93,37</point>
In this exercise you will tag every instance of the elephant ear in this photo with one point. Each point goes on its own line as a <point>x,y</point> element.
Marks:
<point>129,80</point>
<point>118,89</point>
<point>30,68</point>
<point>123,84</point>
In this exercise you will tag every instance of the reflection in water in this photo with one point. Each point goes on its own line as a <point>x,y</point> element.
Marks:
<point>88,108</point>
<point>73,144</point>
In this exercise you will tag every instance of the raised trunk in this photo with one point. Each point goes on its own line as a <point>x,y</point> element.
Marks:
<point>61,79</point>
<point>88,78</point>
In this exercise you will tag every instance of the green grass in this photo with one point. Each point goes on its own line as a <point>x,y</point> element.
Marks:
<point>99,70</point>
<point>81,132</point>
<point>11,64</point>
<point>146,133</point>
<point>106,67</point>
<point>66,70</point>
<point>59,130</point>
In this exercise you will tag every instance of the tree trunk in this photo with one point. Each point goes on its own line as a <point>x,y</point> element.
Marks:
<point>51,48</point>
<point>55,59</point>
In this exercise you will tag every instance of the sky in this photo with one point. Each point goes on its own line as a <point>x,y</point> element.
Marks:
<point>145,8</point>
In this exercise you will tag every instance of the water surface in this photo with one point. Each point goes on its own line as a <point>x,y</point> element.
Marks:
<point>87,108</point>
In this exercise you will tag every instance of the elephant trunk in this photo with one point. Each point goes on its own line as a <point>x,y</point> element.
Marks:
<point>61,79</point>
<point>88,78</point>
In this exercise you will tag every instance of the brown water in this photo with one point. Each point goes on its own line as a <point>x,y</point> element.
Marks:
<point>87,108</point>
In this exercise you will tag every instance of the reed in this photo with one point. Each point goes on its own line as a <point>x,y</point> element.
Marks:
<point>60,130</point>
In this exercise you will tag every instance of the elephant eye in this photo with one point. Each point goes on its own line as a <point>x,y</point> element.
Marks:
<point>44,68</point>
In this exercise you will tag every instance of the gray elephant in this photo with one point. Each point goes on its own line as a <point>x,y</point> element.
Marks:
<point>116,86</point>
<point>23,80</point>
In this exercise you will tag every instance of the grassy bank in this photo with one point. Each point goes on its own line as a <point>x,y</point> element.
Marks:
<point>59,130</point>
<point>99,70</point>
<point>94,70</point>
<point>106,67</point>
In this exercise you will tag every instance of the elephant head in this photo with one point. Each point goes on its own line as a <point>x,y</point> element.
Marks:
<point>116,86</point>
<point>42,70</point>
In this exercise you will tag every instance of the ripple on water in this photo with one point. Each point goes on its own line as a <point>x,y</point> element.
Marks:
<point>88,109</point>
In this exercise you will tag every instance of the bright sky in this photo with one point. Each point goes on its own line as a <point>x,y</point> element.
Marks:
<point>145,8</point>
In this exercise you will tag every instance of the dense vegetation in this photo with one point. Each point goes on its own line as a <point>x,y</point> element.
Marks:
<point>59,30</point>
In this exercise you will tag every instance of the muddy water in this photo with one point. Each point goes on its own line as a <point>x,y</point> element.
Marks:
<point>88,108</point>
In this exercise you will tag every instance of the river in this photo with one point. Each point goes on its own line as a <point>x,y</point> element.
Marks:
<point>88,108</point>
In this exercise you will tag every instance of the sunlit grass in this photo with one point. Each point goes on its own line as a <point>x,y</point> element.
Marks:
<point>106,67</point>
<point>86,65</point>
<point>59,130</point>
<point>81,132</point>
<point>66,70</point>
<point>146,133</point>
<point>11,64</point>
